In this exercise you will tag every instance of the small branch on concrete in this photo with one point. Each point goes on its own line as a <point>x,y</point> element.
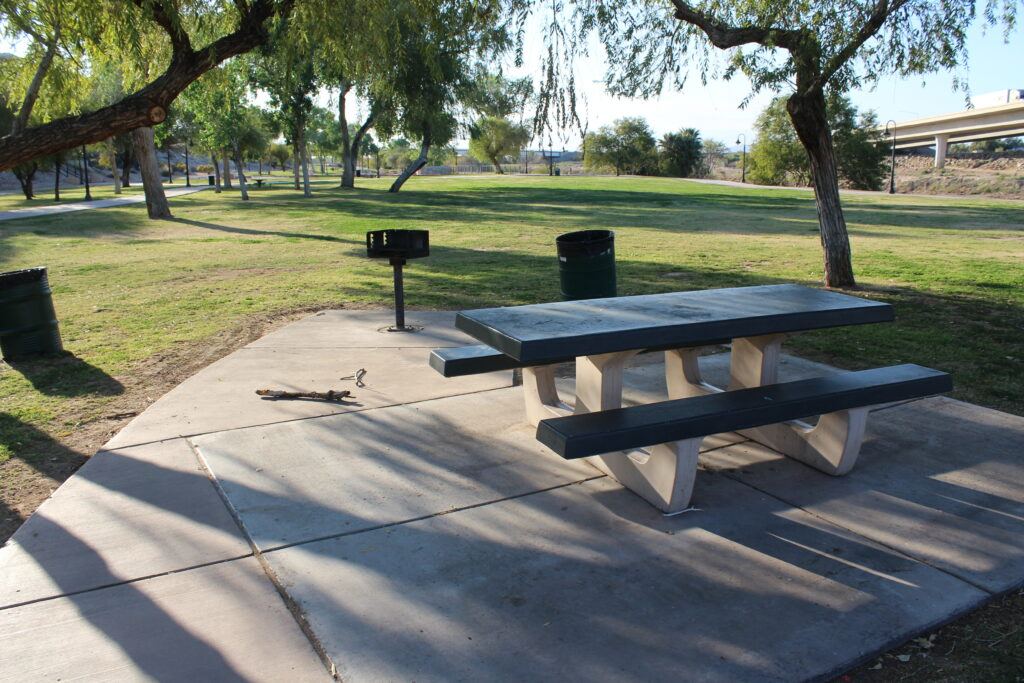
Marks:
<point>330,395</point>
<point>358,377</point>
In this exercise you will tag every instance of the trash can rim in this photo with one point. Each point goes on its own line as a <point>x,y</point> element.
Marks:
<point>13,278</point>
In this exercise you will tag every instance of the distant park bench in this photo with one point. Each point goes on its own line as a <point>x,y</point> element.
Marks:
<point>603,334</point>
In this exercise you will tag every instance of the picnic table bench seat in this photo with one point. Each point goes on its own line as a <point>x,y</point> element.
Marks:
<point>675,428</point>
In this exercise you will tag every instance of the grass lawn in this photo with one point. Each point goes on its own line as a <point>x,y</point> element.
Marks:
<point>142,303</point>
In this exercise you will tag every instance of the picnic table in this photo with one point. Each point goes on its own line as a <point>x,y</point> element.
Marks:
<point>653,449</point>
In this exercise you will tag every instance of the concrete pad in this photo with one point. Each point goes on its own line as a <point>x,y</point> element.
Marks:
<point>937,479</point>
<point>219,623</point>
<point>303,480</point>
<point>222,396</point>
<point>366,329</point>
<point>589,582</point>
<point>124,515</point>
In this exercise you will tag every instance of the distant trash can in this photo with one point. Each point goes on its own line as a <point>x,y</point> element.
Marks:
<point>359,173</point>
<point>28,323</point>
<point>211,180</point>
<point>586,264</point>
<point>558,171</point>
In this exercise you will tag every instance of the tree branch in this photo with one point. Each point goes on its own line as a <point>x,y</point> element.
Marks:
<point>879,14</point>
<point>181,44</point>
<point>147,106</point>
<point>724,36</point>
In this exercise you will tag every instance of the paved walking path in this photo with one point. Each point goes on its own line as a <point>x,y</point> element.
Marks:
<point>419,532</point>
<point>54,209</point>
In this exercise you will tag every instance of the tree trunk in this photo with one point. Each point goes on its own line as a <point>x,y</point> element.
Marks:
<point>296,155</point>
<point>350,149</point>
<point>305,167</point>
<point>56,179</point>
<point>145,152</point>
<point>497,166</point>
<point>32,94</point>
<point>418,163</point>
<point>807,112</point>
<point>126,169</point>
<point>170,169</point>
<point>216,172</point>
<point>26,173</point>
<point>115,172</point>
<point>241,177</point>
<point>227,172</point>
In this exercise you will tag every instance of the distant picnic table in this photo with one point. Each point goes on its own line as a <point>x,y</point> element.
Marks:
<point>652,449</point>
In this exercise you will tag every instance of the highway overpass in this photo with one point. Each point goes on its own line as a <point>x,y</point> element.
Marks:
<point>981,123</point>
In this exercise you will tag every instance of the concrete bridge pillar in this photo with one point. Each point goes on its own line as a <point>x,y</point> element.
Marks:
<point>940,150</point>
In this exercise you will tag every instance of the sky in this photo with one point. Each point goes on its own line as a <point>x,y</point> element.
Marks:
<point>714,109</point>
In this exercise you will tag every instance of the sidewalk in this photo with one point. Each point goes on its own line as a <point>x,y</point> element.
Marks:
<point>420,532</point>
<point>54,209</point>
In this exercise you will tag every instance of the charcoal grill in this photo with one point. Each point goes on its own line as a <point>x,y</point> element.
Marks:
<point>398,246</point>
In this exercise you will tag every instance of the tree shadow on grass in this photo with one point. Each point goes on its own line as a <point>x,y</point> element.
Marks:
<point>66,375</point>
<point>259,232</point>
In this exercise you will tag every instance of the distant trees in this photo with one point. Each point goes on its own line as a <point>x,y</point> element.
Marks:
<point>680,153</point>
<point>777,157</point>
<point>627,146</point>
<point>495,138</point>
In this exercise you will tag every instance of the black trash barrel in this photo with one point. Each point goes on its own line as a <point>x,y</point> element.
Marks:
<point>212,180</point>
<point>28,323</point>
<point>586,264</point>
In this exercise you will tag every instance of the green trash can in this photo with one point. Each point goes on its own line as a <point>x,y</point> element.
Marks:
<point>28,323</point>
<point>586,264</point>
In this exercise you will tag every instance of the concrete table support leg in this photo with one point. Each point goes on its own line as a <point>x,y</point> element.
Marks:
<point>831,446</point>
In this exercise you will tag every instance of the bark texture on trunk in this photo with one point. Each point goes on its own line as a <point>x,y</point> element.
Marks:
<point>216,172</point>
<point>807,112</point>
<point>227,172</point>
<point>145,152</point>
<point>350,150</point>
<point>418,163</point>
<point>241,177</point>
<point>148,106</point>
<point>306,191</point>
<point>115,172</point>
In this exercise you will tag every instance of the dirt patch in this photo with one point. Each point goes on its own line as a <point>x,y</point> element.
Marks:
<point>26,482</point>
<point>987,645</point>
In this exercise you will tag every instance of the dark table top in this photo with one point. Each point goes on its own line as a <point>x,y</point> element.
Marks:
<point>565,329</point>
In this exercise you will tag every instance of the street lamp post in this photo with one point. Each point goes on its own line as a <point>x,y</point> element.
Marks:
<point>188,169</point>
<point>85,172</point>
<point>892,160</point>
<point>743,177</point>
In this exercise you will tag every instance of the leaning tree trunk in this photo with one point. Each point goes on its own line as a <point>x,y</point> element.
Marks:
<point>497,166</point>
<point>216,172</point>
<point>241,177</point>
<point>418,163</point>
<point>227,172</point>
<point>807,112</point>
<point>145,152</point>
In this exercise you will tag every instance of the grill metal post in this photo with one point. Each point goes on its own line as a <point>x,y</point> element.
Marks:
<point>397,264</point>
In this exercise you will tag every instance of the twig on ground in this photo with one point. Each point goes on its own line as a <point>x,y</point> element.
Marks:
<point>358,377</point>
<point>330,395</point>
